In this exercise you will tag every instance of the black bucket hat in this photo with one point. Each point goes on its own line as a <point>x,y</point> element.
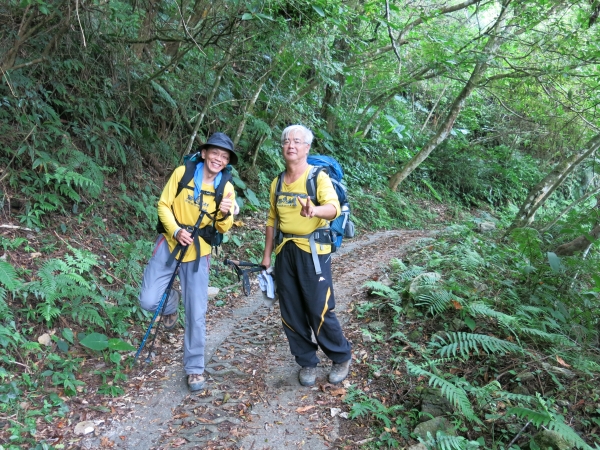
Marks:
<point>221,140</point>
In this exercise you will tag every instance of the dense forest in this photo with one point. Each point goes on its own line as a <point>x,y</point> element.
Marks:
<point>489,107</point>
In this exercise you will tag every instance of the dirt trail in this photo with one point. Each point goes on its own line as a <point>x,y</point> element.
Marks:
<point>252,399</point>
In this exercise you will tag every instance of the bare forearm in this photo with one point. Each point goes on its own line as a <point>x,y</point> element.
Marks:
<point>268,246</point>
<point>327,212</point>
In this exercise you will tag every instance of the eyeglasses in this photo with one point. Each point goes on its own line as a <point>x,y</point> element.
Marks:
<point>221,155</point>
<point>296,142</point>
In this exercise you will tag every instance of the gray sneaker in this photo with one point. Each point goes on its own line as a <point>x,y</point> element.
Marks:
<point>339,372</point>
<point>195,382</point>
<point>307,376</point>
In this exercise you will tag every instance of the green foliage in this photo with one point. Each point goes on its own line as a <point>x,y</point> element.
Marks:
<point>361,405</point>
<point>78,119</point>
<point>494,175</point>
<point>436,300</point>
<point>544,418</point>
<point>443,441</point>
<point>455,394</point>
<point>476,282</point>
<point>452,343</point>
<point>8,282</point>
<point>380,289</point>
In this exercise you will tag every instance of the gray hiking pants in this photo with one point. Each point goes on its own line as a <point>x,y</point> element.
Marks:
<point>194,286</point>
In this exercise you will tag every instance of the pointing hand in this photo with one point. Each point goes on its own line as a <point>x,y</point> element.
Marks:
<point>308,209</point>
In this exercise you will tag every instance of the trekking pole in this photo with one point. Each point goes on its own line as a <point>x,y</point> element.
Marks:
<point>163,301</point>
<point>243,273</point>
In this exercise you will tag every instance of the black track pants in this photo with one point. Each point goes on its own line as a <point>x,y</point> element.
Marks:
<point>307,302</point>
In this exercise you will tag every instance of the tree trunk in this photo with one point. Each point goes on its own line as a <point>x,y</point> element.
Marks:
<point>201,10</point>
<point>249,107</point>
<point>146,27</point>
<point>578,244</point>
<point>333,91</point>
<point>331,101</point>
<point>27,30</point>
<point>540,192</point>
<point>444,130</point>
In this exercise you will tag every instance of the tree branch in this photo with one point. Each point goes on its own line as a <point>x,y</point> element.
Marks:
<point>389,28</point>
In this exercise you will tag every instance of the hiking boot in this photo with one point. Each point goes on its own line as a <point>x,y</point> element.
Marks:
<point>307,376</point>
<point>170,320</point>
<point>195,382</point>
<point>339,372</point>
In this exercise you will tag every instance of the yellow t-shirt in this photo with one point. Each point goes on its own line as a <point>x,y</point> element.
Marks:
<point>288,210</point>
<point>187,211</point>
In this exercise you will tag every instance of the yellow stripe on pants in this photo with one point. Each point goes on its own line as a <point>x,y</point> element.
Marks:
<point>325,308</point>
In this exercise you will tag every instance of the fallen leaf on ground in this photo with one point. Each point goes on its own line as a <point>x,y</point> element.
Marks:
<point>339,391</point>
<point>303,409</point>
<point>106,442</point>
<point>562,361</point>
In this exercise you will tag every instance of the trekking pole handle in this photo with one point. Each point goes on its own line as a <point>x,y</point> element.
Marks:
<point>236,262</point>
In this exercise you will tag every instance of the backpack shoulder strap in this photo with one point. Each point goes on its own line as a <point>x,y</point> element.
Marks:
<point>190,169</point>
<point>278,185</point>
<point>226,177</point>
<point>311,183</point>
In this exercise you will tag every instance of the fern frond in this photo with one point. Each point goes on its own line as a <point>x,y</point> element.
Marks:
<point>486,392</point>
<point>470,260</point>
<point>443,441</point>
<point>382,290</point>
<point>31,346</point>
<point>424,241</point>
<point>545,419</point>
<point>397,265</point>
<point>481,309</point>
<point>455,394</point>
<point>89,315</point>
<point>586,365</point>
<point>437,300</point>
<point>8,276</point>
<point>537,418</point>
<point>433,363</point>
<point>548,337</point>
<point>568,434</point>
<point>411,273</point>
<point>82,260</point>
<point>48,311</point>
<point>465,343</point>
<point>6,311</point>
<point>528,310</point>
<point>527,399</point>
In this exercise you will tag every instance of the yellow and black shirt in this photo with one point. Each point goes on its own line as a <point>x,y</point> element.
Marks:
<point>288,210</point>
<point>187,211</point>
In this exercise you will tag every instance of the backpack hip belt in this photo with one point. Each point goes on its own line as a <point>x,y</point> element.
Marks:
<point>207,233</point>
<point>320,235</point>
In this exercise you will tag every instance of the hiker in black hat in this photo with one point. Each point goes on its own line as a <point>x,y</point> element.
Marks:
<point>210,192</point>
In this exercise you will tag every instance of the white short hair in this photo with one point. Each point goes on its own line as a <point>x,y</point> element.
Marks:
<point>308,135</point>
